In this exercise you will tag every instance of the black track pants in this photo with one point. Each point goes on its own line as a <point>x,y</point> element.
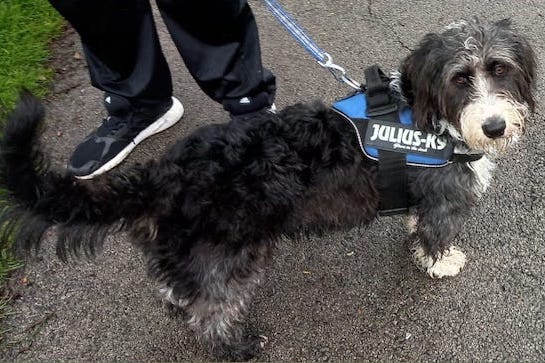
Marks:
<point>217,39</point>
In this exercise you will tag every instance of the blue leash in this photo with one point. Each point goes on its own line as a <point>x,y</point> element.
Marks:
<point>323,58</point>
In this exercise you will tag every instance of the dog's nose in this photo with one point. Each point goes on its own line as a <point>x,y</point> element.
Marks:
<point>494,127</point>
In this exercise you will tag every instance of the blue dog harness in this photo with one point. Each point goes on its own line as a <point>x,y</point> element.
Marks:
<point>387,135</point>
<point>422,149</point>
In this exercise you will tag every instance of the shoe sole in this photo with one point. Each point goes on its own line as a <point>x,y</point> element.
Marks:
<point>172,116</point>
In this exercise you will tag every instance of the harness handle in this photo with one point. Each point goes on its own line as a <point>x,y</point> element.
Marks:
<point>378,93</point>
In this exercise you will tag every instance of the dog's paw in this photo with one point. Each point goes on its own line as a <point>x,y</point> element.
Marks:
<point>174,308</point>
<point>174,311</point>
<point>450,263</point>
<point>241,351</point>
<point>412,224</point>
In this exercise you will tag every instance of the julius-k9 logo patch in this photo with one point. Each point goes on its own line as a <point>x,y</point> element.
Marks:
<point>397,137</point>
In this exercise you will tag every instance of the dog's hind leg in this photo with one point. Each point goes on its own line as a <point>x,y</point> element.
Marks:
<point>217,319</point>
<point>214,290</point>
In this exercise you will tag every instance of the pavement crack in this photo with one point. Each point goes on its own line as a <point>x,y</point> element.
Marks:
<point>370,8</point>
<point>379,20</point>
<point>400,42</point>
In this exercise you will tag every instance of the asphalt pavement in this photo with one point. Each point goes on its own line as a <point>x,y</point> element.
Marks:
<point>345,296</point>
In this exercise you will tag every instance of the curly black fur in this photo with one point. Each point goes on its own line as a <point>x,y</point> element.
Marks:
<point>208,214</point>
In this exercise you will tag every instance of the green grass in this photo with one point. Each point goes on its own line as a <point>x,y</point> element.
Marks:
<point>27,28</point>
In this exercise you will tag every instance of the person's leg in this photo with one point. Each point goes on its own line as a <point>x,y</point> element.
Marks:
<point>126,62</point>
<point>219,42</point>
<point>121,47</point>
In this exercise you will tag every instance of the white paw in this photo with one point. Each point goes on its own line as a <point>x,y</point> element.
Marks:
<point>412,223</point>
<point>264,340</point>
<point>167,295</point>
<point>449,264</point>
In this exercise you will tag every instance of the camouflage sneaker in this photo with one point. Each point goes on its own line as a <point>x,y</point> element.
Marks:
<point>120,132</point>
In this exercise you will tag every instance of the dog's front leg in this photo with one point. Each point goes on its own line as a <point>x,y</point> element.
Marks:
<point>433,229</point>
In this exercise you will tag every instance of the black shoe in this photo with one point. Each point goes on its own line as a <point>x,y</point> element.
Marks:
<point>270,110</point>
<point>120,132</point>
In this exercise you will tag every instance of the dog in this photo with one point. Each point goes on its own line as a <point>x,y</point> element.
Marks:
<point>208,214</point>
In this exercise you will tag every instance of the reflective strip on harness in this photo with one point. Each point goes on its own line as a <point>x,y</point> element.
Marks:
<point>422,149</point>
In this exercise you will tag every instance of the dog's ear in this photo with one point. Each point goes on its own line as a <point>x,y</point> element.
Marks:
<point>526,58</point>
<point>420,75</point>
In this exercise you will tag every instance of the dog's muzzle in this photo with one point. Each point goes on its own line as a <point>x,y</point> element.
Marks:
<point>492,124</point>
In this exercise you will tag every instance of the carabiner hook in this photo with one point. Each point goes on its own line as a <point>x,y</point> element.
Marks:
<point>338,72</point>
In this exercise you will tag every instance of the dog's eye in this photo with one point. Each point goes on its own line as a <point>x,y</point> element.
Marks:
<point>461,79</point>
<point>500,69</point>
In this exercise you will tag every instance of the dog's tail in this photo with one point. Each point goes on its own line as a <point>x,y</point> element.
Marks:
<point>36,196</point>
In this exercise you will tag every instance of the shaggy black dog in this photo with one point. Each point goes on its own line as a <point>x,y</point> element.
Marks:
<point>208,214</point>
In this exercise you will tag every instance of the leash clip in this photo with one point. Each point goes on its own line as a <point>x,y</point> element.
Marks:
<point>338,72</point>
<point>323,58</point>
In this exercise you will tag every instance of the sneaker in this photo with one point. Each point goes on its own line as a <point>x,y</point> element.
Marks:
<point>248,104</point>
<point>271,108</point>
<point>120,132</point>
<point>250,115</point>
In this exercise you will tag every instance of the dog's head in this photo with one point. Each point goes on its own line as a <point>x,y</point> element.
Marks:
<point>474,79</point>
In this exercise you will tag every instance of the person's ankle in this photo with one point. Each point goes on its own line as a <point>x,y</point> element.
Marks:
<point>248,104</point>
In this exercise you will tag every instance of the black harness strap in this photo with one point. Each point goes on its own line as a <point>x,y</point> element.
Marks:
<point>465,158</point>
<point>392,167</point>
